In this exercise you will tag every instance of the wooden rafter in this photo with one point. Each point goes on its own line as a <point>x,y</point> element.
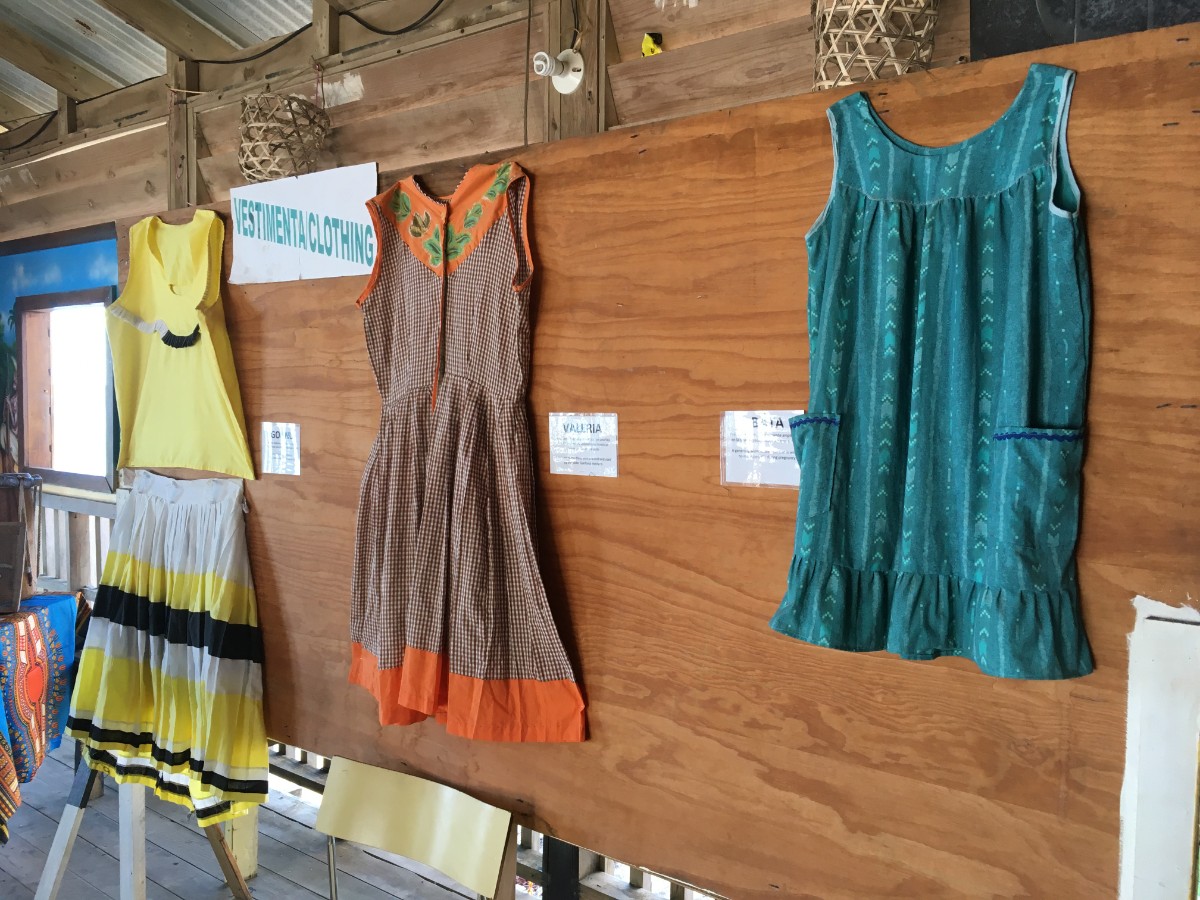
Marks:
<point>48,65</point>
<point>166,23</point>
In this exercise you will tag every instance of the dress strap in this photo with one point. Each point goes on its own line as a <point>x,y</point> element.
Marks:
<point>838,131</point>
<point>1065,195</point>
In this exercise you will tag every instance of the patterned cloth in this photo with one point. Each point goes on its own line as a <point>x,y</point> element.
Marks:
<point>449,615</point>
<point>37,645</point>
<point>169,691</point>
<point>940,458</point>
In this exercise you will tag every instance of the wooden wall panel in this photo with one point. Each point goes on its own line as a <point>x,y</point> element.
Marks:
<point>434,104</point>
<point>124,174</point>
<point>671,287</point>
<point>728,54</point>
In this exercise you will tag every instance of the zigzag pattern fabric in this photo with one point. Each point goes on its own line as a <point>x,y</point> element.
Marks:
<point>940,456</point>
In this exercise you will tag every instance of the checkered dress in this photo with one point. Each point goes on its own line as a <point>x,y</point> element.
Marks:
<point>449,614</point>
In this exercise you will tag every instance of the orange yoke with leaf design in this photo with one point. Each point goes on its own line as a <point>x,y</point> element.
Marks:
<point>443,231</point>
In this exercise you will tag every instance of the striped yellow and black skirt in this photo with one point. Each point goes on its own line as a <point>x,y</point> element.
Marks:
<point>169,692</point>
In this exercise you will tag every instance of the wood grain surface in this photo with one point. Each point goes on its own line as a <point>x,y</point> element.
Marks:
<point>671,287</point>
<point>719,55</point>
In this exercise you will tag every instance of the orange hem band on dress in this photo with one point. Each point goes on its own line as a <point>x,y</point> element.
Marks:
<point>513,709</point>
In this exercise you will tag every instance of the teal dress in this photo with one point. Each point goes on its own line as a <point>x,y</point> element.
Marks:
<point>940,454</point>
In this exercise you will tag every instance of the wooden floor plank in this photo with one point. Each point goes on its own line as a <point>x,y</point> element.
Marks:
<point>10,888</point>
<point>179,877</point>
<point>24,861</point>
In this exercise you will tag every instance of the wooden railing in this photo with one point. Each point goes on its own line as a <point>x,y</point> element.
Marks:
<point>74,538</point>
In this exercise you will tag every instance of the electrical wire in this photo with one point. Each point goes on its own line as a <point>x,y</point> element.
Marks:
<point>389,32</point>
<point>261,53</point>
<point>578,35</point>
<point>49,118</point>
<point>528,50</point>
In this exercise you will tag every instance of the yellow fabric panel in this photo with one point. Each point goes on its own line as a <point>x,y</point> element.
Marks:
<point>208,592</point>
<point>179,407</point>
<point>458,835</point>
<point>232,735</point>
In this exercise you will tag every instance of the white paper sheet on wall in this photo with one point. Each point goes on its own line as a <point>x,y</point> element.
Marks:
<point>583,444</point>
<point>308,226</point>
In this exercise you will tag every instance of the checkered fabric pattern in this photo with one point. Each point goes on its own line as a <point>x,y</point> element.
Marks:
<point>445,558</point>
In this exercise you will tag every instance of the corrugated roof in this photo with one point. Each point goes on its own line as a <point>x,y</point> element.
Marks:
<point>247,22</point>
<point>91,36</point>
<point>23,87</point>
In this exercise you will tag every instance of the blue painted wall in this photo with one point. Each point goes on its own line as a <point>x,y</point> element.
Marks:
<point>56,269</point>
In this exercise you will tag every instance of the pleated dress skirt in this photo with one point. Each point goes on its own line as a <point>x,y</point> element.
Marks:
<point>169,692</point>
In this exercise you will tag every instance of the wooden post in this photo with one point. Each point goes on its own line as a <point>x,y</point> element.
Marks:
<point>131,827</point>
<point>563,866</point>
<point>578,113</point>
<point>241,834</point>
<point>79,551</point>
<point>326,29</point>
<point>182,74</point>
<point>229,866</point>
<point>609,54</point>
<point>66,114</point>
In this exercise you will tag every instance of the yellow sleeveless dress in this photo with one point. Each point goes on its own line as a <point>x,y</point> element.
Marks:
<point>177,390</point>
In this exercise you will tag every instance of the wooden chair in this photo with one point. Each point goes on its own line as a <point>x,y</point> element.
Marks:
<point>463,838</point>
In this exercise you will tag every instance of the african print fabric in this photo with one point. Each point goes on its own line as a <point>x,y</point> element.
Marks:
<point>169,691</point>
<point>37,646</point>
<point>449,614</point>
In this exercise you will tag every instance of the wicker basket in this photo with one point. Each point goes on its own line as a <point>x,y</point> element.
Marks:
<point>863,40</point>
<point>282,135</point>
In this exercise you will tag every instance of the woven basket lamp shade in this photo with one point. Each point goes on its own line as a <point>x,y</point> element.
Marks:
<point>864,40</point>
<point>281,135</point>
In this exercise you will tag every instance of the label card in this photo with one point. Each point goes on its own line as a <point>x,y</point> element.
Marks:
<point>280,448</point>
<point>756,448</point>
<point>583,444</point>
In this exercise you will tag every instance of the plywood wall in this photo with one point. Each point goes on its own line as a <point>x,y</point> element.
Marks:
<point>671,287</point>
<point>720,54</point>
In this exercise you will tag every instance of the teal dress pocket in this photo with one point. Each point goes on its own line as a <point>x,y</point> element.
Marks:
<point>814,439</point>
<point>1037,493</point>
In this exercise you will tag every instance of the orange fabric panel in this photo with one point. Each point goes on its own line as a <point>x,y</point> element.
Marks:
<point>515,709</point>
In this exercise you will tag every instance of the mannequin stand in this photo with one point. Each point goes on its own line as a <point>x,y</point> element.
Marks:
<point>132,827</point>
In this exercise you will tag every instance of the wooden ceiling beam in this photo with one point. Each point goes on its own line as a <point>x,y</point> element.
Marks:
<point>186,37</point>
<point>48,65</point>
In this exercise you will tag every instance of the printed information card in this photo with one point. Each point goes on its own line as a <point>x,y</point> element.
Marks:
<point>280,448</point>
<point>756,448</point>
<point>583,444</point>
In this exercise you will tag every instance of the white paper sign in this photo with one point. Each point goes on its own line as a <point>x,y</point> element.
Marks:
<point>583,444</point>
<point>756,448</point>
<point>280,448</point>
<point>307,226</point>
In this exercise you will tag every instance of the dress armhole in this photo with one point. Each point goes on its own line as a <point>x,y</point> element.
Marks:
<point>521,237</point>
<point>215,248</point>
<point>1065,196</point>
<point>833,181</point>
<point>376,264</point>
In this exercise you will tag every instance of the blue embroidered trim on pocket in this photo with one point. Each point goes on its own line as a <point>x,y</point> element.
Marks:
<point>1036,436</point>
<point>815,420</point>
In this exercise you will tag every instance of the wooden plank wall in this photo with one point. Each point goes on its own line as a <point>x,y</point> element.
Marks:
<point>671,287</point>
<point>721,54</point>
<point>410,109</point>
<point>125,174</point>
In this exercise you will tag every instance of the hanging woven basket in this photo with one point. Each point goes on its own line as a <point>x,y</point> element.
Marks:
<point>864,40</point>
<point>282,135</point>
